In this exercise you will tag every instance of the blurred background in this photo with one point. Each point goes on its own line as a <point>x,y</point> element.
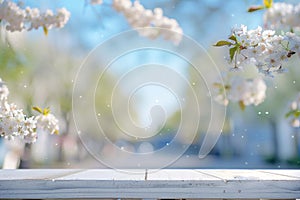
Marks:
<point>40,70</point>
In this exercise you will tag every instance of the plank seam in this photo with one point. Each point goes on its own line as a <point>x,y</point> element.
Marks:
<point>274,173</point>
<point>207,174</point>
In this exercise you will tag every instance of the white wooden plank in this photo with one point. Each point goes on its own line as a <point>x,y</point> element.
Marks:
<point>179,184</point>
<point>10,174</point>
<point>248,175</point>
<point>106,174</point>
<point>290,173</point>
<point>181,174</point>
<point>149,189</point>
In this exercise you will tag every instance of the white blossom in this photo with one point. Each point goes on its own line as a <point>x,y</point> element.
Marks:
<point>14,123</point>
<point>282,16</point>
<point>244,91</point>
<point>221,99</point>
<point>140,18</point>
<point>3,91</point>
<point>295,123</point>
<point>18,19</point>
<point>13,14</point>
<point>29,133</point>
<point>293,42</point>
<point>267,51</point>
<point>15,18</point>
<point>11,121</point>
<point>47,123</point>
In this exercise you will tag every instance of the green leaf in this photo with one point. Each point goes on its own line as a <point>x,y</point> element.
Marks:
<point>46,111</point>
<point>268,3</point>
<point>289,113</point>
<point>217,85</point>
<point>38,109</point>
<point>232,52</point>
<point>242,105</point>
<point>255,8</point>
<point>222,43</point>
<point>295,113</point>
<point>227,87</point>
<point>232,37</point>
<point>45,30</point>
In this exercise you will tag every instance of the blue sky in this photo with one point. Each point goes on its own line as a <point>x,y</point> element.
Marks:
<point>93,24</point>
<point>205,21</point>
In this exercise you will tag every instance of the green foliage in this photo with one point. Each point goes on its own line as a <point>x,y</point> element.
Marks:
<point>16,67</point>
<point>44,111</point>
<point>255,8</point>
<point>242,105</point>
<point>294,113</point>
<point>222,88</point>
<point>45,30</point>
<point>233,38</point>
<point>295,160</point>
<point>38,109</point>
<point>266,4</point>
<point>232,51</point>
<point>222,43</point>
<point>12,64</point>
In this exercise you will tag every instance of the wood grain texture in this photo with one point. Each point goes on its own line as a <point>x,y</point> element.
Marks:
<point>35,184</point>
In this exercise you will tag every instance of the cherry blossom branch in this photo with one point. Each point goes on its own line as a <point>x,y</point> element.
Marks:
<point>280,15</point>
<point>262,48</point>
<point>139,17</point>
<point>15,124</point>
<point>268,50</point>
<point>18,19</point>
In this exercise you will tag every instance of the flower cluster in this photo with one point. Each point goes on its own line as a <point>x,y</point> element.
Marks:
<point>244,91</point>
<point>263,48</point>
<point>19,19</point>
<point>4,92</point>
<point>14,123</point>
<point>140,18</point>
<point>283,16</point>
<point>48,123</point>
<point>294,112</point>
